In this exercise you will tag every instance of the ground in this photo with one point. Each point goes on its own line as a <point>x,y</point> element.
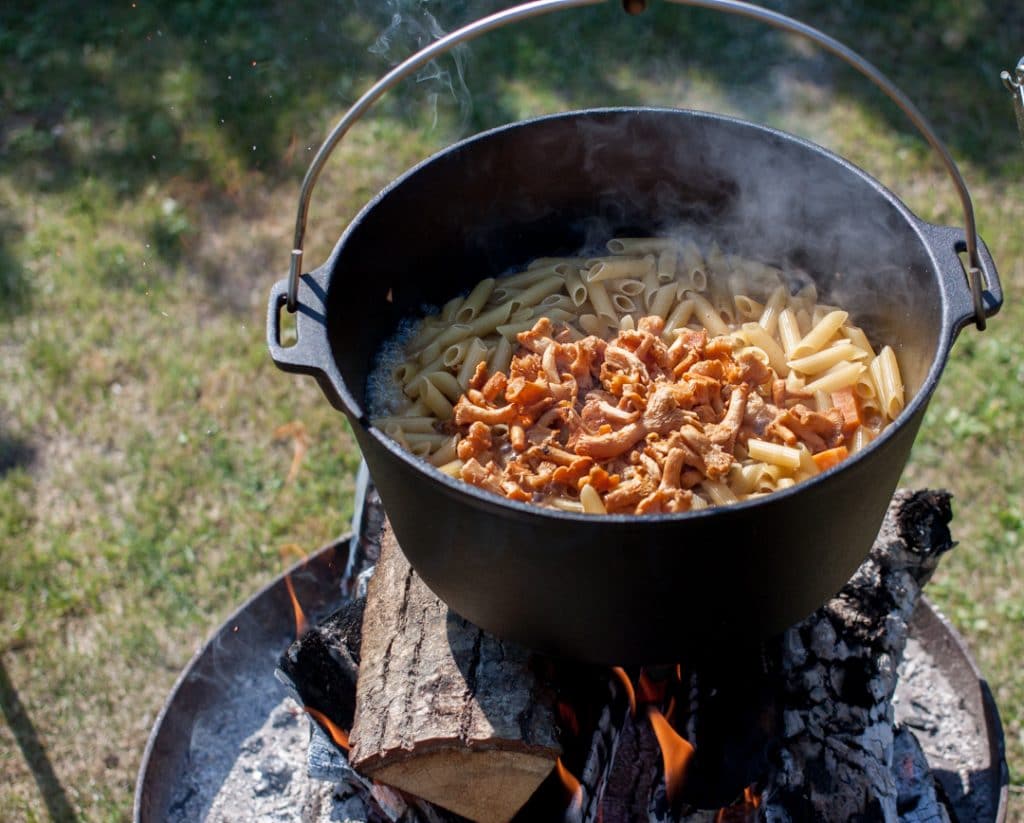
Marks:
<point>150,159</point>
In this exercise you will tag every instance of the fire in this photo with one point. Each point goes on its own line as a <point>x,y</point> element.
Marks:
<point>623,678</point>
<point>567,718</point>
<point>676,753</point>
<point>742,811</point>
<point>650,691</point>
<point>573,788</point>
<point>301,624</point>
<point>338,735</point>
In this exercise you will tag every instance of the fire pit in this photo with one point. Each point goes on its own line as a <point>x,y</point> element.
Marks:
<point>232,744</point>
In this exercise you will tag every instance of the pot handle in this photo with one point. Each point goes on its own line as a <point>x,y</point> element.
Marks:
<point>947,243</point>
<point>1015,85</point>
<point>311,354</point>
<point>975,271</point>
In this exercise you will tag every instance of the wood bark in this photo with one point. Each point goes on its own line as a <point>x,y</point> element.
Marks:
<point>444,710</point>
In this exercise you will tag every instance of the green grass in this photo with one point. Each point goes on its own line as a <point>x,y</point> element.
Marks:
<point>150,158</point>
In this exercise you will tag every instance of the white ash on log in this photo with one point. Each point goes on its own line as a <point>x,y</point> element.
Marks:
<point>446,711</point>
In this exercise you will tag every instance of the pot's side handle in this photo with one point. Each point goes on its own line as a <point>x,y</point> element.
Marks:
<point>947,243</point>
<point>1015,85</point>
<point>311,354</point>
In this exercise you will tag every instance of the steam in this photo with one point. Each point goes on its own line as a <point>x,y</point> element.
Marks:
<point>410,27</point>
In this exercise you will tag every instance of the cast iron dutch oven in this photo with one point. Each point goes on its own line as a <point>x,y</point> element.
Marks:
<point>617,588</point>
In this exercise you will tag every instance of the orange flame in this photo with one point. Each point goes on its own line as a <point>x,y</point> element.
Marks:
<point>650,692</point>
<point>742,811</point>
<point>676,753</point>
<point>301,623</point>
<point>338,734</point>
<point>572,788</point>
<point>295,550</point>
<point>623,678</point>
<point>567,718</point>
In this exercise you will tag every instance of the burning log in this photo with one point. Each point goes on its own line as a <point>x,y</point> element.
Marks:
<point>798,728</point>
<point>323,664</point>
<point>445,711</point>
<point>838,671</point>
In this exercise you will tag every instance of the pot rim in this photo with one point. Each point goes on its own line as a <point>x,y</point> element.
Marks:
<point>357,414</point>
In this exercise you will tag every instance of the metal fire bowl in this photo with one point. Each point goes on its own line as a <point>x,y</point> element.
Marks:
<point>254,637</point>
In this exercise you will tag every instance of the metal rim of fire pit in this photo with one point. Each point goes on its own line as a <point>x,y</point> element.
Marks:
<point>264,623</point>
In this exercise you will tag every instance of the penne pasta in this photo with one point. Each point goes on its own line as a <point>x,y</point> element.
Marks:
<point>820,334</point>
<point>707,314</point>
<point>530,297</point>
<point>475,300</point>
<point>774,453</point>
<point>838,377</point>
<point>678,318</point>
<point>755,335</point>
<point>886,375</point>
<point>616,269</point>
<point>769,320</point>
<point>476,353</point>
<point>542,413</point>
<point>826,358</point>
<point>640,245</point>
<point>661,301</point>
<point>747,308</point>
<point>446,452</point>
<point>576,288</point>
<point>602,303</point>
<point>666,266</point>
<point>591,500</point>
<point>789,332</point>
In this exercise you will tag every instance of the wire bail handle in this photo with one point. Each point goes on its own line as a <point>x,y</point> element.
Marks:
<point>779,21</point>
<point>1015,85</point>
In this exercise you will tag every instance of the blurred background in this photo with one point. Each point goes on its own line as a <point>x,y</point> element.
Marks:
<point>156,469</point>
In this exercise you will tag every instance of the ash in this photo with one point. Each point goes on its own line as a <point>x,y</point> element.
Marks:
<point>260,759</point>
<point>927,703</point>
<point>247,762</point>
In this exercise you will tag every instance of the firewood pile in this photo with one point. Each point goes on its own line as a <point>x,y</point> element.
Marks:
<point>434,719</point>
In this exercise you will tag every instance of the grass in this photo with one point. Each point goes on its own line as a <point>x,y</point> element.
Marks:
<point>150,156</point>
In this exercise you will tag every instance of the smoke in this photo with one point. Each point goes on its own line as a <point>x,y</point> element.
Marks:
<point>411,25</point>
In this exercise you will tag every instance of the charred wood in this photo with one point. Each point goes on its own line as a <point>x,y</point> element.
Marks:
<point>323,664</point>
<point>838,674</point>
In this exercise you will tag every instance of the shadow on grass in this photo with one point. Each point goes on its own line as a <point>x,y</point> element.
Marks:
<point>24,731</point>
<point>15,453</point>
<point>15,288</point>
<point>168,89</point>
<point>207,92</point>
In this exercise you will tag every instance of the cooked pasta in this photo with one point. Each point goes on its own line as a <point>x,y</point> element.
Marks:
<point>660,378</point>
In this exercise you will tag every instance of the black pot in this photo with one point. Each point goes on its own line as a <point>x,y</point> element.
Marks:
<point>619,588</point>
